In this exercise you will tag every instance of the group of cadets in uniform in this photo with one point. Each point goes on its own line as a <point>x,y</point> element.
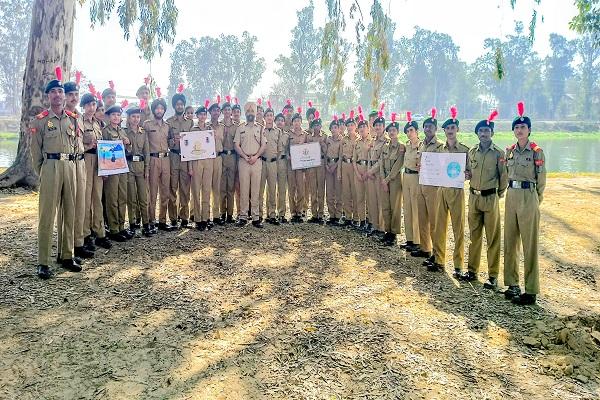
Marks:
<point>368,178</point>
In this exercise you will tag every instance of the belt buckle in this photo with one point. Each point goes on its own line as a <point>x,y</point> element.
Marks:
<point>63,157</point>
<point>515,185</point>
<point>135,158</point>
<point>477,192</point>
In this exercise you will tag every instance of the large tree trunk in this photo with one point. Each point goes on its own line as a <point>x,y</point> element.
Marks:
<point>50,44</point>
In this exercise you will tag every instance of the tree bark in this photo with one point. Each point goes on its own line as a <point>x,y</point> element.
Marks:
<point>50,44</point>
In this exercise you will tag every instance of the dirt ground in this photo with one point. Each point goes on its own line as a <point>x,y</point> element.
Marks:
<point>297,312</point>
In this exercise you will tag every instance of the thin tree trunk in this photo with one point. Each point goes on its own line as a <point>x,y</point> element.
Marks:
<point>50,44</point>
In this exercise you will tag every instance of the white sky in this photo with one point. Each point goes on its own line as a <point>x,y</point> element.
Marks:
<point>102,54</point>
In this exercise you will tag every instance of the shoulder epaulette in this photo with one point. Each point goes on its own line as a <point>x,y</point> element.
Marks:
<point>42,114</point>
<point>71,114</point>
<point>508,148</point>
<point>535,147</point>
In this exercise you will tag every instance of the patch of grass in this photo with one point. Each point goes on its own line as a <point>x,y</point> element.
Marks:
<point>9,136</point>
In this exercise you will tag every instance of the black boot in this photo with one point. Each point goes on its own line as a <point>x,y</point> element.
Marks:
<point>257,224</point>
<point>468,276</point>
<point>201,225</point>
<point>88,243</point>
<point>184,223</point>
<point>127,234</point>
<point>43,271</point>
<point>524,300</point>
<point>165,227</point>
<point>71,265</point>
<point>117,237</point>
<point>104,243</point>
<point>146,231</point>
<point>218,221</point>
<point>435,267</point>
<point>241,222</point>
<point>512,291</point>
<point>491,283</point>
<point>421,253</point>
<point>81,252</point>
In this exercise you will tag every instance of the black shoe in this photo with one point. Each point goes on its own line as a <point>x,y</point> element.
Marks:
<point>313,220</point>
<point>491,283</point>
<point>82,252</point>
<point>191,218</point>
<point>468,276</point>
<point>201,226</point>
<point>283,220</point>
<point>457,274</point>
<point>348,223</point>
<point>257,224</point>
<point>295,219</point>
<point>524,300</point>
<point>388,239</point>
<point>104,243</point>
<point>88,243</point>
<point>407,245</point>
<point>272,221</point>
<point>435,267</point>
<point>43,271</point>
<point>420,253</point>
<point>173,224</point>
<point>153,229</point>
<point>71,265</point>
<point>230,219</point>
<point>209,224</point>
<point>512,291</point>
<point>164,227</point>
<point>241,222</point>
<point>147,231</point>
<point>134,226</point>
<point>428,261</point>
<point>128,234</point>
<point>218,221</point>
<point>117,237</point>
<point>414,247</point>
<point>184,223</point>
<point>78,260</point>
<point>331,221</point>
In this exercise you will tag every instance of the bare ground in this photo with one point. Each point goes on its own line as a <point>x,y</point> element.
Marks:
<point>294,312</point>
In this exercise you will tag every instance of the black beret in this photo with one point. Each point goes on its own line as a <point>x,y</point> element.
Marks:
<point>414,124</point>
<point>316,121</point>
<point>296,116</point>
<point>86,99</point>
<point>521,120</point>
<point>108,92</point>
<point>114,109</point>
<point>450,121</point>
<point>71,87</point>
<point>54,83</point>
<point>484,123</point>
<point>133,110</point>
<point>393,125</point>
<point>236,107</point>
<point>379,120</point>
<point>334,122</point>
<point>309,111</point>
<point>201,109</point>
<point>213,106</point>
<point>430,120</point>
<point>363,122</point>
<point>280,115</point>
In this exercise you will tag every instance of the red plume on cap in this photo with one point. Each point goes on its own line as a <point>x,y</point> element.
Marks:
<point>317,113</point>
<point>360,109</point>
<point>380,114</point>
<point>492,116</point>
<point>206,103</point>
<point>124,103</point>
<point>289,102</point>
<point>235,100</point>
<point>180,88</point>
<point>299,110</point>
<point>158,92</point>
<point>381,107</point>
<point>309,104</point>
<point>335,118</point>
<point>58,73</point>
<point>393,117</point>
<point>269,103</point>
<point>112,85</point>
<point>344,116</point>
<point>143,104</point>
<point>521,108</point>
<point>147,80</point>
<point>99,95</point>
<point>259,101</point>
<point>433,112</point>
<point>218,99</point>
<point>91,88</point>
<point>453,112</point>
<point>228,98</point>
<point>361,117</point>
<point>351,114</point>
<point>77,77</point>
<point>409,117</point>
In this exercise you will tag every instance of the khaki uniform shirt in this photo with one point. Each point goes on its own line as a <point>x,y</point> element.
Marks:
<point>272,137</point>
<point>178,124</point>
<point>250,138</point>
<point>284,143</point>
<point>361,150</point>
<point>375,154</point>
<point>333,153</point>
<point>391,161</point>
<point>488,169</point>
<point>218,131</point>
<point>412,156</point>
<point>92,132</point>
<point>138,146</point>
<point>228,135</point>
<point>347,150</point>
<point>527,164</point>
<point>51,133</point>
<point>158,134</point>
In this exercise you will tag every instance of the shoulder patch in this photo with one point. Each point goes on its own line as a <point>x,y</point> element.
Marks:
<point>42,114</point>
<point>71,114</point>
<point>535,147</point>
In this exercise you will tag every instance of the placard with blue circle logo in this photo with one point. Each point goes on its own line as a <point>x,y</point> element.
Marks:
<point>443,169</point>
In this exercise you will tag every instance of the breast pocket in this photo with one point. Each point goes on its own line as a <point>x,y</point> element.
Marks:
<point>473,163</point>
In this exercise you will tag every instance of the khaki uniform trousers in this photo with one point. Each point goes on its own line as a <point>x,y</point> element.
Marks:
<point>115,190</point>
<point>268,178</point>
<point>228,182</point>
<point>249,187</point>
<point>391,206</point>
<point>179,189</point>
<point>217,176</point>
<point>373,206</point>
<point>94,184</point>
<point>282,176</point>
<point>484,212</point>
<point>348,191</point>
<point>333,190</point>
<point>201,188</point>
<point>427,204</point>
<point>361,195</point>
<point>296,190</point>
<point>80,210</point>
<point>160,175</point>
<point>450,201</point>
<point>521,221</point>
<point>56,193</point>
<point>316,179</point>
<point>410,193</point>
<point>137,193</point>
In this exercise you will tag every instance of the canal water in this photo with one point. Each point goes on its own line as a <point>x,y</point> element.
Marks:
<point>577,153</point>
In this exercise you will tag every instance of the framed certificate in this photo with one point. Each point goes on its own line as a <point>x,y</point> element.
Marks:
<point>443,169</point>
<point>306,155</point>
<point>111,158</point>
<point>197,145</point>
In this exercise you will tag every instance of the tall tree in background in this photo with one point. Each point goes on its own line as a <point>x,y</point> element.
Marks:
<point>211,66</point>
<point>588,73</point>
<point>51,44</point>
<point>298,72</point>
<point>558,69</point>
<point>16,19</point>
<point>328,87</point>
